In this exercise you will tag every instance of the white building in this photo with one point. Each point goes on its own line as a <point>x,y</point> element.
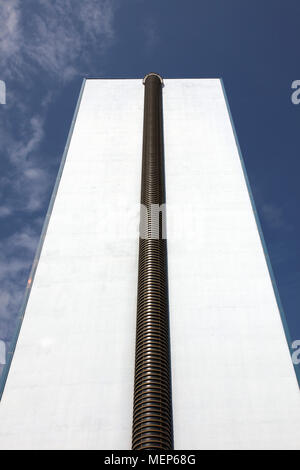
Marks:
<point>70,384</point>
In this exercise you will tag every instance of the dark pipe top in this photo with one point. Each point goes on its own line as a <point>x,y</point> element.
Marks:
<point>155,75</point>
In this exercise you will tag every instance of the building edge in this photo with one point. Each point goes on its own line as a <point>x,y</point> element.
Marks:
<point>262,238</point>
<point>20,318</point>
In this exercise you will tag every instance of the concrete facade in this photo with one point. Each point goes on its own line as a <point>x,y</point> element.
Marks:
<point>70,384</point>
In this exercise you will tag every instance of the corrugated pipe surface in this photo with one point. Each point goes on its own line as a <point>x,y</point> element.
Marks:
<point>152,414</point>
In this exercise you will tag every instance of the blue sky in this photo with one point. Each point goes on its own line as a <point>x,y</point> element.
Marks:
<point>47,47</point>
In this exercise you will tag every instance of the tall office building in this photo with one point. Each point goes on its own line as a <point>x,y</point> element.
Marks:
<point>204,363</point>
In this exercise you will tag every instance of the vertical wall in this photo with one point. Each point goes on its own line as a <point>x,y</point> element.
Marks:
<point>71,380</point>
<point>233,381</point>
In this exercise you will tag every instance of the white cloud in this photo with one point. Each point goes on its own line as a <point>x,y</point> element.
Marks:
<point>16,254</point>
<point>52,37</point>
<point>10,33</point>
<point>28,183</point>
<point>33,133</point>
<point>27,240</point>
<point>39,39</point>
<point>57,37</point>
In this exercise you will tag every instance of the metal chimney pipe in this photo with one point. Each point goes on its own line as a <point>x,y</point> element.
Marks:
<point>152,413</point>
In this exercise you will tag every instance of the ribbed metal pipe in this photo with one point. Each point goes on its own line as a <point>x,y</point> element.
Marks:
<point>152,414</point>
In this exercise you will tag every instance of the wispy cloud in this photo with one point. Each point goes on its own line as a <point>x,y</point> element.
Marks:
<point>54,41</point>
<point>10,35</point>
<point>62,38</point>
<point>43,45</point>
<point>57,37</point>
<point>33,134</point>
<point>26,182</point>
<point>16,253</point>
